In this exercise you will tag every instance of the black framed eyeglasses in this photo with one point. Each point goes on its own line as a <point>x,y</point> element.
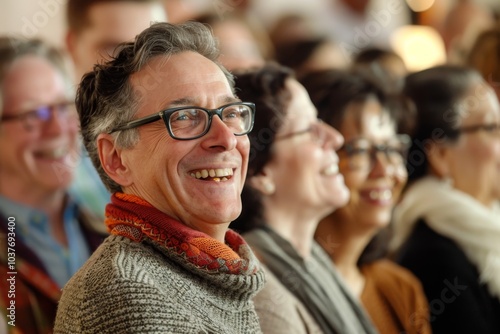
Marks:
<point>185,123</point>
<point>362,153</point>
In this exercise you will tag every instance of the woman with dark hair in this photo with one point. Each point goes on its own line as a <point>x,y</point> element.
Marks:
<point>292,183</point>
<point>448,223</point>
<point>372,163</point>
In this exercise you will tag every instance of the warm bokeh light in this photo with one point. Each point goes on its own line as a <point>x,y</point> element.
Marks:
<point>420,5</point>
<point>419,46</point>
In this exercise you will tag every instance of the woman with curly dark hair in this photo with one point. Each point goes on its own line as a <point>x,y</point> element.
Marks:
<point>293,182</point>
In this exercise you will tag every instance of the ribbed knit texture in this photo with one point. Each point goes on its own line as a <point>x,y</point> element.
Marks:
<point>159,276</point>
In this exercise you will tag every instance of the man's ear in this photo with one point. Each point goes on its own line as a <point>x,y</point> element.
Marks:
<point>264,182</point>
<point>112,160</point>
<point>438,158</point>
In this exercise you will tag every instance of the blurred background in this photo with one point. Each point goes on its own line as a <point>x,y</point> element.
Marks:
<point>422,32</point>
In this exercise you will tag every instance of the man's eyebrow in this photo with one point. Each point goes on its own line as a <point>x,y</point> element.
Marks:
<point>230,99</point>
<point>183,101</point>
<point>189,101</point>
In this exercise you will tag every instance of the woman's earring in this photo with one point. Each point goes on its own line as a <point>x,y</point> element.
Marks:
<point>269,188</point>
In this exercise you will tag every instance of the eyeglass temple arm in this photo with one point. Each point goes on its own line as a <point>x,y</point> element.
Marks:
<point>137,123</point>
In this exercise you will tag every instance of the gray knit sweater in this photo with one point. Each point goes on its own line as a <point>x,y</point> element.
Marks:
<point>141,287</point>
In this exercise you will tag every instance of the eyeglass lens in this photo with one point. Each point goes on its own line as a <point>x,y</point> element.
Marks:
<point>192,122</point>
<point>362,154</point>
<point>42,114</point>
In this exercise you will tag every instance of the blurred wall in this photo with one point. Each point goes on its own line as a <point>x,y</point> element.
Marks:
<point>30,18</point>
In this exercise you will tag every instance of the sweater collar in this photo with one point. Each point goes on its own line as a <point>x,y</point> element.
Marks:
<point>132,217</point>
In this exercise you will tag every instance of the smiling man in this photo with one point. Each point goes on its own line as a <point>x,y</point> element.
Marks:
<point>45,234</point>
<point>169,139</point>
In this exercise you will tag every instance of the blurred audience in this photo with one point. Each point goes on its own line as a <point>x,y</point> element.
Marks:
<point>95,28</point>
<point>358,24</point>
<point>385,65</point>
<point>243,43</point>
<point>180,11</point>
<point>447,226</point>
<point>372,162</point>
<point>293,182</point>
<point>52,235</point>
<point>290,28</point>
<point>462,24</point>
<point>353,24</point>
<point>309,55</point>
<point>484,56</point>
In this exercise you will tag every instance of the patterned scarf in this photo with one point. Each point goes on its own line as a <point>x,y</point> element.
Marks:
<point>132,217</point>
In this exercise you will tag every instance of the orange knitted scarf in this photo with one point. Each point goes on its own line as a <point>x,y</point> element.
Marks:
<point>132,217</point>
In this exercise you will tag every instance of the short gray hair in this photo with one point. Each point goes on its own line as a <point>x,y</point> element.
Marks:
<point>14,48</point>
<point>105,98</point>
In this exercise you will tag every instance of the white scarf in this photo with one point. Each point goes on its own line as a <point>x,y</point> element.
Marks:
<point>457,216</point>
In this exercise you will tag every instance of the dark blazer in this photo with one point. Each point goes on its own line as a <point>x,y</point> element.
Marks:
<point>36,294</point>
<point>458,303</point>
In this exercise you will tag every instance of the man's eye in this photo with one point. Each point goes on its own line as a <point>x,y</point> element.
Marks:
<point>235,112</point>
<point>41,113</point>
<point>186,115</point>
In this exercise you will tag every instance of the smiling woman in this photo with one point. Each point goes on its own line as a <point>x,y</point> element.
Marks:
<point>293,182</point>
<point>448,223</point>
<point>372,163</point>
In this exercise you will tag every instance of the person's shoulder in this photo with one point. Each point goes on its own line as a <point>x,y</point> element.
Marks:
<point>119,268</point>
<point>126,277</point>
<point>279,311</point>
<point>389,269</point>
<point>274,292</point>
<point>424,244</point>
<point>271,292</point>
<point>119,259</point>
<point>387,272</point>
<point>401,290</point>
<point>431,255</point>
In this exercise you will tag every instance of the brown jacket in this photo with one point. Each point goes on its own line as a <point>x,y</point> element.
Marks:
<point>394,299</point>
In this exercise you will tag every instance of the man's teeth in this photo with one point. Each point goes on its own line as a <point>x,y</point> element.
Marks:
<point>331,170</point>
<point>382,195</point>
<point>219,174</point>
<point>53,154</point>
